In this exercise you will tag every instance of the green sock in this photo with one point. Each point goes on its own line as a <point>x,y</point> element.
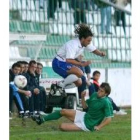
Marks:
<point>53,116</point>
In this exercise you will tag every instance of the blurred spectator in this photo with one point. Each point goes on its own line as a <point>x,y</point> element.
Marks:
<point>105,13</point>
<point>22,67</point>
<point>80,7</point>
<point>32,85</point>
<point>120,15</point>
<point>26,65</point>
<point>41,88</point>
<point>52,5</point>
<point>15,92</point>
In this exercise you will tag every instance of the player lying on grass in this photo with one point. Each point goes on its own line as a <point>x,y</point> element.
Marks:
<point>98,115</point>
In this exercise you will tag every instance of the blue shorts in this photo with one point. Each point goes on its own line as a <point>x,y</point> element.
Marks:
<point>61,67</point>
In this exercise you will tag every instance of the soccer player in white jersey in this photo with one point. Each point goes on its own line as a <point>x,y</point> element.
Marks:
<point>64,62</point>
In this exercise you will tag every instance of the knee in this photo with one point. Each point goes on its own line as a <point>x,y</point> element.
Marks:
<point>78,72</point>
<point>63,112</point>
<point>78,82</point>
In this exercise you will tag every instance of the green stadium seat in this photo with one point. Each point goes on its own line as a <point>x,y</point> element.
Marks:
<point>42,54</point>
<point>25,27</point>
<point>49,73</point>
<point>56,40</point>
<point>13,26</point>
<point>31,52</point>
<point>36,27</point>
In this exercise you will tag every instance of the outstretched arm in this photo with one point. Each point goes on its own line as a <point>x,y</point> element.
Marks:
<point>106,121</point>
<point>98,52</point>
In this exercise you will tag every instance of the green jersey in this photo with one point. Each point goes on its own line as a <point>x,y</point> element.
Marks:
<point>98,109</point>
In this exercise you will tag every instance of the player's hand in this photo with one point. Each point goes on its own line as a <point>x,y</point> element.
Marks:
<point>36,91</point>
<point>86,63</point>
<point>103,54</point>
<point>96,128</point>
<point>28,93</point>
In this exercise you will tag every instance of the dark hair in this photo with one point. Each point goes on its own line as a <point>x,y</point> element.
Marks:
<point>15,65</point>
<point>32,62</point>
<point>25,62</point>
<point>83,31</point>
<point>40,64</point>
<point>96,72</point>
<point>106,87</point>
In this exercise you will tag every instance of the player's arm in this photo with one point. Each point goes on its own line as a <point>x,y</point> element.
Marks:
<point>26,93</point>
<point>98,52</point>
<point>74,62</point>
<point>84,105</point>
<point>105,122</point>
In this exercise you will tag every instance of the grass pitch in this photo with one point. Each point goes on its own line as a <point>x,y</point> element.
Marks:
<point>118,129</point>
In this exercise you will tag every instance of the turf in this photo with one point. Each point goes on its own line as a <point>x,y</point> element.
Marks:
<point>119,129</point>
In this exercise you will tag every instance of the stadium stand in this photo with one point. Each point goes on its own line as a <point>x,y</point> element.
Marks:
<point>26,17</point>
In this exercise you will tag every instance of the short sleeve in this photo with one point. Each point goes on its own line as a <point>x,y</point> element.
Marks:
<point>91,47</point>
<point>108,109</point>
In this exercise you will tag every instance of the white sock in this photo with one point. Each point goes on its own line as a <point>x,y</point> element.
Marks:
<point>69,79</point>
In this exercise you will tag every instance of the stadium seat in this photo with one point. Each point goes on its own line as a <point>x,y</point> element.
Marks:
<point>70,29</point>
<point>128,40</point>
<point>31,5</point>
<point>112,55</point>
<point>116,43</point>
<point>53,29</point>
<point>89,17</point>
<point>97,18</point>
<point>123,43</point>
<point>14,52</point>
<point>124,56</point>
<point>109,42</point>
<point>65,6</point>
<point>94,29</point>
<point>128,31</point>
<point>113,31</point>
<point>42,54</point>
<point>32,52</point>
<point>128,20</point>
<point>119,31</point>
<point>14,26</point>
<point>35,16</point>
<point>62,29</point>
<point>37,5</point>
<point>121,55</point>
<point>56,40</point>
<point>128,55</point>
<point>14,4</point>
<point>61,17</point>
<point>102,43</point>
<point>24,5</point>
<point>49,73</point>
<point>69,18</point>
<point>96,42</point>
<point>25,27</point>
<point>36,27</point>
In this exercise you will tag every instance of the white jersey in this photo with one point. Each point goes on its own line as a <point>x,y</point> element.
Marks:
<point>72,49</point>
